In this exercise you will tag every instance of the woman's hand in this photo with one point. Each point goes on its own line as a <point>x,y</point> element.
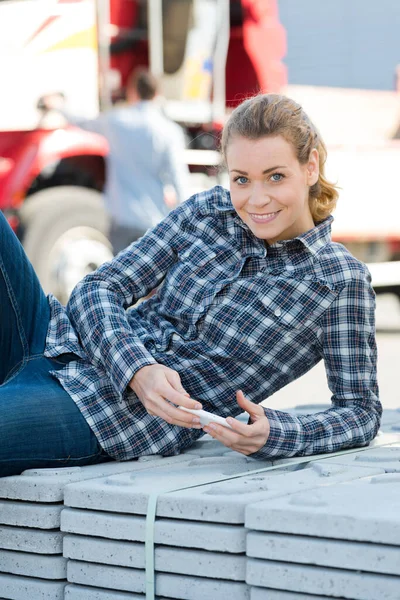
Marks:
<point>243,438</point>
<point>155,385</point>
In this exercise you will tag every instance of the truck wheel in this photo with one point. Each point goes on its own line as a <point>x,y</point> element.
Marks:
<point>65,236</point>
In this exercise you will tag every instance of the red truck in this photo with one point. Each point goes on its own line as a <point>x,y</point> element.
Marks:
<point>52,174</point>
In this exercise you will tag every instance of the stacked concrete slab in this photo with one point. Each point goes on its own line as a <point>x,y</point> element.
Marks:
<point>342,541</point>
<point>31,543</point>
<point>199,533</point>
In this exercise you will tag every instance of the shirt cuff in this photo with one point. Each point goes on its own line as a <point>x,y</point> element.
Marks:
<point>286,436</point>
<point>127,359</point>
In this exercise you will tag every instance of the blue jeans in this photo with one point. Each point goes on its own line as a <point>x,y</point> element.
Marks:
<point>40,425</point>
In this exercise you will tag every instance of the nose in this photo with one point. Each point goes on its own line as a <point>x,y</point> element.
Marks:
<point>259,195</point>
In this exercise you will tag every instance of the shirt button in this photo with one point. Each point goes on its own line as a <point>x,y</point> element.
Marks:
<point>278,312</point>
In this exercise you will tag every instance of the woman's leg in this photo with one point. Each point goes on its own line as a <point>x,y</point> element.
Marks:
<point>25,312</point>
<point>40,425</point>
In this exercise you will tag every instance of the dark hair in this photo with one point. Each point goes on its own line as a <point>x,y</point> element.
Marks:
<point>144,83</point>
<point>273,115</point>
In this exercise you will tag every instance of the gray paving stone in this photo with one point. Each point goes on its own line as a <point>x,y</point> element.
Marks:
<point>30,514</point>
<point>183,561</point>
<point>387,458</point>
<point>175,586</point>
<point>30,540</point>
<point>33,565</point>
<point>81,592</point>
<point>377,558</point>
<point>222,502</point>
<point>15,587</point>
<point>130,492</point>
<point>47,485</point>
<point>170,532</point>
<point>257,593</point>
<point>365,510</point>
<point>323,581</point>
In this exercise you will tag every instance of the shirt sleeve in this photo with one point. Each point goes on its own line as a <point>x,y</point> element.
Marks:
<point>97,125</point>
<point>348,346</point>
<point>97,306</point>
<point>174,168</point>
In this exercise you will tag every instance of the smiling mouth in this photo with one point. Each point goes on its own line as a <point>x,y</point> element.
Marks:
<point>265,218</point>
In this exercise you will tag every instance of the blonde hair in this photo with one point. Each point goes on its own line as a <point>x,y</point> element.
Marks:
<point>273,115</point>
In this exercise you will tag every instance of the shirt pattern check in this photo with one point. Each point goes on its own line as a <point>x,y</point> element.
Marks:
<point>229,313</point>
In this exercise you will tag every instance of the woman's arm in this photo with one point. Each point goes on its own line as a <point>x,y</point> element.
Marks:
<point>348,347</point>
<point>97,306</point>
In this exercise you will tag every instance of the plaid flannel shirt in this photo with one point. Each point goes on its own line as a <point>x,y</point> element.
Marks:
<point>229,313</point>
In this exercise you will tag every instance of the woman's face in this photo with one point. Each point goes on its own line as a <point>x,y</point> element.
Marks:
<point>270,188</point>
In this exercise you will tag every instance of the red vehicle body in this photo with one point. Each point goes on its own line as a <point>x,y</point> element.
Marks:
<point>51,177</point>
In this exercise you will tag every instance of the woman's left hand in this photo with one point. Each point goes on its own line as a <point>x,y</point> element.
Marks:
<point>242,437</point>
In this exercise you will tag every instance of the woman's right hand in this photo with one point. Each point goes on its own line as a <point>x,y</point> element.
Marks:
<point>156,387</point>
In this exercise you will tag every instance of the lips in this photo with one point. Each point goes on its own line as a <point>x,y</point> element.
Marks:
<point>264,218</point>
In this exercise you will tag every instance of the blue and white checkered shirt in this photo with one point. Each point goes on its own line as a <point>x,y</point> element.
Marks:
<point>230,314</point>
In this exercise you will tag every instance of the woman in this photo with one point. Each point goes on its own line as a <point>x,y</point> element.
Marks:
<point>252,294</point>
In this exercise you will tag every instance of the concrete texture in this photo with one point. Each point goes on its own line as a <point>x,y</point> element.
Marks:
<point>323,581</point>
<point>377,558</point>
<point>47,485</point>
<point>26,588</point>
<point>222,502</point>
<point>30,514</point>
<point>366,510</point>
<point>33,565</point>
<point>30,540</point>
<point>184,561</point>
<point>170,532</point>
<point>257,593</point>
<point>175,586</point>
<point>81,592</point>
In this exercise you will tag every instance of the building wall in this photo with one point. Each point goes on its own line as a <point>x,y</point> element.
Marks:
<point>342,43</point>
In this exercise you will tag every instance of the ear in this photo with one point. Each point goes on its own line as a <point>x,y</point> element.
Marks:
<point>313,167</point>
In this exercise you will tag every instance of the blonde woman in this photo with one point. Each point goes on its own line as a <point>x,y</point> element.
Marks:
<point>252,294</point>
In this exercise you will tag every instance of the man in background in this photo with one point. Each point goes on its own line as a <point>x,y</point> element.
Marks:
<point>146,173</point>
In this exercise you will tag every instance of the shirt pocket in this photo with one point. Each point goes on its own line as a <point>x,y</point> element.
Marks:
<point>292,308</point>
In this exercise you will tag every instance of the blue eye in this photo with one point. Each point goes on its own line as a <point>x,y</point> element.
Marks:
<point>241,180</point>
<point>280,176</point>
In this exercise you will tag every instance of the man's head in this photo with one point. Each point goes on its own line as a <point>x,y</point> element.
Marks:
<point>141,85</point>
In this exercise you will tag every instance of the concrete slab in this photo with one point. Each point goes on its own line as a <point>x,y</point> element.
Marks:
<point>47,485</point>
<point>30,540</point>
<point>33,565</point>
<point>365,510</point>
<point>387,458</point>
<point>170,532</point>
<point>222,502</point>
<point>183,561</point>
<point>129,493</point>
<point>14,587</point>
<point>81,592</point>
<point>257,593</point>
<point>377,558</point>
<point>323,581</point>
<point>175,586</point>
<point>30,514</point>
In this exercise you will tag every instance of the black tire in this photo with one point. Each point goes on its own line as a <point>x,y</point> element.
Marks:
<point>57,223</point>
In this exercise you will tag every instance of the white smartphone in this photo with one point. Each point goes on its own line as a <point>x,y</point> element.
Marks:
<point>206,417</point>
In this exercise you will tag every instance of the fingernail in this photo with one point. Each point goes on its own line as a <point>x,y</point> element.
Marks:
<point>212,426</point>
<point>198,406</point>
<point>196,420</point>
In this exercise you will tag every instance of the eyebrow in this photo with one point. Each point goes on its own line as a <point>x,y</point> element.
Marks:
<point>264,172</point>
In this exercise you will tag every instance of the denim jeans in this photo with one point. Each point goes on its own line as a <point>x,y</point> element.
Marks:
<point>40,425</point>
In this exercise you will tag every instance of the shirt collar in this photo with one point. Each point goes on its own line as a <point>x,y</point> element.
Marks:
<point>313,240</point>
